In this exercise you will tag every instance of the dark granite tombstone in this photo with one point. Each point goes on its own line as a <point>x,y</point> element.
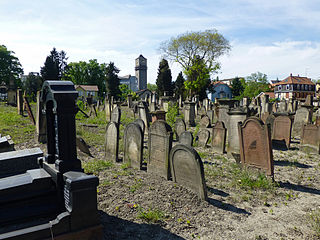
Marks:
<point>281,133</point>
<point>19,102</point>
<point>6,144</point>
<point>186,138</point>
<point>203,137</point>
<point>40,121</point>
<point>159,146</point>
<point>112,142</point>
<point>310,138</point>
<point>219,134</point>
<point>53,200</point>
<point>255,145</point>
<point>187,169</point>
<point>133,145</point>
<point>179,127</point>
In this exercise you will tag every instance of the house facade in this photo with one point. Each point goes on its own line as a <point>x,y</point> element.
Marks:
<point>294,87</point>
<point>85,91</point>
<point>130,81</point>
<point>221,90</point>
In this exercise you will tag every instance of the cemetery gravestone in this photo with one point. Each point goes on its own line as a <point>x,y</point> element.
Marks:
<point>179,127</point>
<point>159,146</point>
<point>40,121</point>
<point>144,115</point>
<point>140,123</point>
<point>205,121</point>
<point>203,137</point>
<point>281,134</point>
<point>303,116</point>
<point>270,120</point>
<point>133,145</point>
<point>107,108</point>
<point>19,102</point>
<point>186,138</point>
<point>210,114</point>
<point>189,113</point>
<point>310,138</point>
<point>116,115</point>
<point>187,169</point>
<point>264,116</point>
<point>219,134</point>
<point>112,141</point>
<point>255,145</point>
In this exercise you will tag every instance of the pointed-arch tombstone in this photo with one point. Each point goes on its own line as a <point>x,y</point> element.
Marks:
<point>133,145</point>
<point>187,169</point>
<point>255,145</point>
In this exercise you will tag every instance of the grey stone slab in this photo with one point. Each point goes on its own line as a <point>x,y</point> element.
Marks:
<point>133,145</point>
<point>112,142</point>
<point>186,138</point>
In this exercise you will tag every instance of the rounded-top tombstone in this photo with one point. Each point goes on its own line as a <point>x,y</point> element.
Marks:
<point>112,141</point>
<point>186,138</point>
<point>140,122</point>
<point>133,145</point>
<point>180,127</point>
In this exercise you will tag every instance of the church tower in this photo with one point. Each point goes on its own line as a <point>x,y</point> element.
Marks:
<point>141,72</point>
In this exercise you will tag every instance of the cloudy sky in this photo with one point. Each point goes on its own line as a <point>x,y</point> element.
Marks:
<point>275,37</point>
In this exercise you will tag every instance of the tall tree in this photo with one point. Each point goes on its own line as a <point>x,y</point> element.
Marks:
<point>164,78</point>
<point>10,67</point>
<point>237,87</point>
<point>112,80</point>
<point>179,88</point>
<point>206,46</point>
<point>32,84</point>
<point>54,66</point>
<point>255,84</point>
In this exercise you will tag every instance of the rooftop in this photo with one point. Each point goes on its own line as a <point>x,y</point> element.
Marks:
<point>295,80</point>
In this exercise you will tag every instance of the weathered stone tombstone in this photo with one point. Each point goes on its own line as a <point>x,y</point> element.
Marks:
<point>255,145</point>
<point>283,106</point>
<point>205,121</point>
<point>219,134</point>
<point>303,116</point>
<point>179,127</point>
<point>158,115</point>
<point>107,108</point>
<point>189,114</point>
<point>112,142</point>
<point>133,145</point>
<point>186,138</point>
<point>264,116</point>
<point>187,169</point>
<point>129,100</point>
<point>144,115</point>
<point>140,123</point>
<point>281,133</point>
<point>203,137</point>
<point>310,138</point>
<point>83,146</point>
<point>159,146</point>
<point>116,115</point>
<point>210,114</point>
<point>270,120</point>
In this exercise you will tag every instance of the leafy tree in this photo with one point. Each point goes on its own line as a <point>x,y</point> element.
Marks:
<point>10,67</point>
<point>87,73</point>
<point>192,48</point>
<point>125,91</point>
<point>112,80</point>
<point>179,88</point>
<point>152,87</point>
<point>255,84</point>
<point>32,84</point>
<point>164,79</point>
<point>54,66</point>
<point>237,87</point>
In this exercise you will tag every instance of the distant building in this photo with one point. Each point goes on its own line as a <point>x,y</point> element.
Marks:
<point>141,72</point>
<point>130,81</point>
<point>85,91</point>
<point>221,90</point>
<point>294,87</point>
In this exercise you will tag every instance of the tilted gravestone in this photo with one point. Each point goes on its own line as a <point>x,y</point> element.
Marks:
<point>186,138</point>
<point>255,145</point>
<point>112,142</point>
<point>310,138</point>
<point>303,116</point>
<point>205,121</point>
<point>219,134</point>
<point>159,146</point>
<point>133,145</point>
<point>83,146</point>
<point>281,133</point>
<point>116,115</point>
<point>187,169</point>
<point>140,123</point>
<point>203,137</point>
<point>179,127</point>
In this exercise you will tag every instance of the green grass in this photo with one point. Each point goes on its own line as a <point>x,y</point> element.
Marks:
<point>314,219</point>
<point>95,166</point>
<point>150,215</point>
<point>137,185</point>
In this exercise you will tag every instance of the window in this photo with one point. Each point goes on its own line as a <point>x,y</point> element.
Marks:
<point>298,86</point>
<point>309,87</point>
<point>279,87</point>
<point>287,87</point>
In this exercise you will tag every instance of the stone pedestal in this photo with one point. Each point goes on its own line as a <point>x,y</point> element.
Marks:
<point>158,115</point>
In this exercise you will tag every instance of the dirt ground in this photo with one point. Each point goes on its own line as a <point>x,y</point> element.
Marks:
<point>233,211</point>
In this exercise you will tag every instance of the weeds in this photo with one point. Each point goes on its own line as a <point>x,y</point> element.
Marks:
<point>314,219</point>
<point>95,166</point>
<point>150,215</point>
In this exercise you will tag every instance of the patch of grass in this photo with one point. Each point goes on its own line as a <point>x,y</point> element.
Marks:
<point>95,166</point>
<point>137,185</point>
<point>203,155</point>
<point>314,219</point>
<point>151,215</point>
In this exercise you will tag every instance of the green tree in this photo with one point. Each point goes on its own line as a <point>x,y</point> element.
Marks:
<point>112,80</point>
<point>32,84</point>
<point>255,84</point>
<point>152,87</point>
<point>179,88</point>
<point>237,87</point>
<point>164,78</point>
<point>125,91</point>
<point>54,66</point>
<point>10,67</point>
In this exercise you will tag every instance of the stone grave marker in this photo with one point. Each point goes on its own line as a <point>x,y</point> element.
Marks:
<point>255,145</point>
<point>19,102</point>
<point>133,145</point>
<point>83,146</point>
<point>107,109</point>
<point>179,127</point>
<point>264,116</point>
<point>189,113</point>
<point>310,138</point>
<point>281,133</point>
<point>140,123</point>
<point>205,121</point>
<point>210,114</point>
<point>283,106</point>
<point>112,142</point>
<point>116,115</point>
<point>219,134</point>
<point>187,169</point>
<point>144,114</point>
<point>6,144</point>
<point>303,116</point>
<point>270,120</point>
<point>186,138</point>
<point>159,146</point>
<point>203,137</point>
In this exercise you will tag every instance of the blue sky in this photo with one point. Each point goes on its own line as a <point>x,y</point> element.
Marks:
<point>274,37</point>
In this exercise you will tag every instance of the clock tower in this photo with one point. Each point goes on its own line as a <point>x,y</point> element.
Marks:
<point>141,72</point>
